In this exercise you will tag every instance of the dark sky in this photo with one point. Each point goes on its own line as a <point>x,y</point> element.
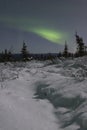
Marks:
<point>43,24</point>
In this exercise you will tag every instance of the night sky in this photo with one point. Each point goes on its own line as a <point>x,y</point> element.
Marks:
<point>44,25</point>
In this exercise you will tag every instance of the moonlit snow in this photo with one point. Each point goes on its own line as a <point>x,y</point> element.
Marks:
<point>49,95</point>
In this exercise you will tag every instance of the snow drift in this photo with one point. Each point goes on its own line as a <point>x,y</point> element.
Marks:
<point>44,95</point>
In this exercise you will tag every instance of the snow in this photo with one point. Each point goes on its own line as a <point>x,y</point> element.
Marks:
<point>44,95</point>
<point>18,109</point>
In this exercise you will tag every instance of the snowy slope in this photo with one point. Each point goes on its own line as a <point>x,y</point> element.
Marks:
<point>44,95</point>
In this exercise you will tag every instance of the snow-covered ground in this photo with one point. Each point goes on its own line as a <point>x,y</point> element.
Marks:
<point>44,95</point>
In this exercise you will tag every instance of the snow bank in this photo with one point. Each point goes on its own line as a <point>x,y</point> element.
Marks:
<point>18,109</point>
<point>44,95</point>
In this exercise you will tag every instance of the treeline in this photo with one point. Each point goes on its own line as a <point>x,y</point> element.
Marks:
<point>24,54</point>
<point>81,49</point>
<point>7,55</point>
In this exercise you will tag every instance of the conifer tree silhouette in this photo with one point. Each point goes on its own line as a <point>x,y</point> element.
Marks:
<point>24,52</point>
<point>80,45</point>
<point>65,53</point>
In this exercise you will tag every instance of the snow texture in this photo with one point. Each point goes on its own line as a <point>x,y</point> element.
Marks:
<point>49,95</point>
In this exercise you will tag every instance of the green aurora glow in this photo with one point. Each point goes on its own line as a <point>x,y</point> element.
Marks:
<point>35,26</point>
<point>48,34</point>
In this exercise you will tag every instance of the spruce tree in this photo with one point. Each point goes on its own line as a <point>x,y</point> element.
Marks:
<point>80,46</point>
<point>24,52</point>
<point>65,53</point>
<point>5,55</point>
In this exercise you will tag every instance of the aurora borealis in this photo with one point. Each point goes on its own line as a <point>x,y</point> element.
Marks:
<point>28,25</point>
<point>43,25</point>
<point>48,34</point>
